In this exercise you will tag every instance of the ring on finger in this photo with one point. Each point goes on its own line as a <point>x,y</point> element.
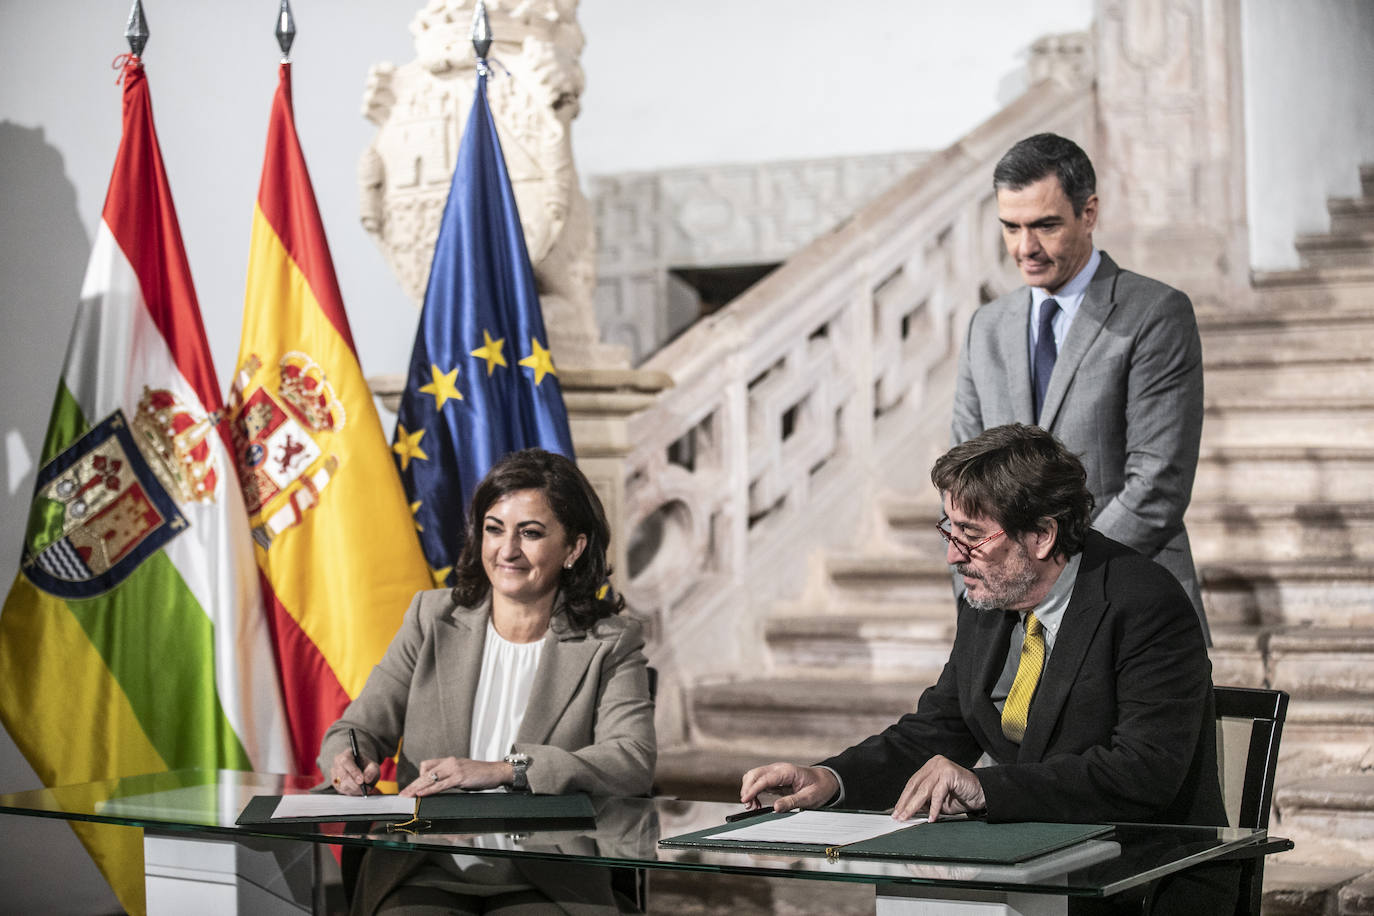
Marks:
<point>433,777</point>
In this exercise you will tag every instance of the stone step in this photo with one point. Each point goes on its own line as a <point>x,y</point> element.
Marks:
<point>1317,663</point>
<point>1329,819</point>
<point>911,516</point>
<point>934,611</point>
<point>1327,732</point>
<point>858,648</point>
<point>1327,594</point>
<point>1244,338</point>
<point>1357,897</point>
<point>1281,531</point>
<point>1310,290</point>
<point>1351,215</point>
<point>809,712</point>
<point>1327,737</point>
<point>714,773</point>
<point>1248,422</point>
<point>905,579</point>
<point>1293,889</point>
<point>1292,379</point>
<point>1278,473</point>
<point>1330,250</point>
<point>1237,654</point>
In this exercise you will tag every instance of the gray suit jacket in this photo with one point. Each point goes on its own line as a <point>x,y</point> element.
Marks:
<point>1125,396</point>
<point>589,726</point>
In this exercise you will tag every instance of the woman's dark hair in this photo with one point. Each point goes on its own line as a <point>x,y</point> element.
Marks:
<point>577,508</point>
<point>1019,476</point>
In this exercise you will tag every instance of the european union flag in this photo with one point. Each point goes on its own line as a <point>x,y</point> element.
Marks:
<point>482,380</point>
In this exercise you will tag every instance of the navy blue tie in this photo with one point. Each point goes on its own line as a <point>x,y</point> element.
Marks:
<point>1045,354</point>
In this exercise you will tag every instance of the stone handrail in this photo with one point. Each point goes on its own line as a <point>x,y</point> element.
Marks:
<point>795,405</point>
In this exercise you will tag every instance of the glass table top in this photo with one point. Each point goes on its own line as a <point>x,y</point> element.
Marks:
<point>207,802</point>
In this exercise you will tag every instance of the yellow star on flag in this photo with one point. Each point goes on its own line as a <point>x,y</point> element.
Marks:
<point>491,352</point>
<point>415,507</point>
<point>407,445</point>
<point>440,576</point>
<point>443,386</point>
<point>541,361</point>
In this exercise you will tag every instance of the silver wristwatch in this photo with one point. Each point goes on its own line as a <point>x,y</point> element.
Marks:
<point>521,765</point>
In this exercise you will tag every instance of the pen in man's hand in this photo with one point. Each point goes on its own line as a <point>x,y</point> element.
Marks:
<point>357,758</point>
<point>745,815</point>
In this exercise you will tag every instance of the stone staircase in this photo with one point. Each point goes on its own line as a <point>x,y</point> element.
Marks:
<point>1283,508</point>
<point>1282,525</point>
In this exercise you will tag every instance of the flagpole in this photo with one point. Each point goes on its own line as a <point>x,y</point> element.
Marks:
<point>136,30</point>
<point>286,30</point>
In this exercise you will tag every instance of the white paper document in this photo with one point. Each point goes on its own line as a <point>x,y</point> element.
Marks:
<point>343,807</point>
<point>820,828</point>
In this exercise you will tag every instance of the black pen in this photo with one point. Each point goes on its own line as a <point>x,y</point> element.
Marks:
<point>752,812</point>
<point>357,758</point>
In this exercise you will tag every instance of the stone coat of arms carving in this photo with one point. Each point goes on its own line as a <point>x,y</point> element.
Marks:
<point>421,108</point>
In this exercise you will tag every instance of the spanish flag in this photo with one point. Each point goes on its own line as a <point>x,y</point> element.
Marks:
<point>335,540</point>
<point>133,639</point>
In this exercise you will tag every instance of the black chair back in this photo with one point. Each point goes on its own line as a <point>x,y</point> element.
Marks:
<point>1266,711</point>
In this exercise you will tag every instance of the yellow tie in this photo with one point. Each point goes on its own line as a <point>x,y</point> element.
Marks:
<point>1017,706</point>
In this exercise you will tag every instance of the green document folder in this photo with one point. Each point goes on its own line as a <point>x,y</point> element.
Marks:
<point>943,841</point>
<point>459,812</point>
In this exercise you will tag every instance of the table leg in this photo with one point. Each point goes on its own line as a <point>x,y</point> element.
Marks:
<point>191,874</point>
<point>911,900</point>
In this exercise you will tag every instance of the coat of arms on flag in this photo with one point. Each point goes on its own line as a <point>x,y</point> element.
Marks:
<point>312,458</point>
<point>282,467</point>
<point>110,499</point>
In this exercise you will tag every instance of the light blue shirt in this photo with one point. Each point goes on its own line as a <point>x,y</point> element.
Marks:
<point>1050,613</point>
<point>1069,299</point>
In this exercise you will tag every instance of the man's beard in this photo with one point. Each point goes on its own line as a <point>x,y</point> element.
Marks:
<point>1005,587</point>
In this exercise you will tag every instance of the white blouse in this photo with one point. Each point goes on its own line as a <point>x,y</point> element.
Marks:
<point>503,693</point>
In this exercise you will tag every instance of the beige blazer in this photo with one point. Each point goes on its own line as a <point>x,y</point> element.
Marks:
<point>589,726</point>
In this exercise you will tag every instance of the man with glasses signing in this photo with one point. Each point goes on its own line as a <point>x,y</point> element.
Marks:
<point>1078,688</point>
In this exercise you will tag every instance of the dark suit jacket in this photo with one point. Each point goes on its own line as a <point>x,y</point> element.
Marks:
<point>1125,396</point>
<point>1122,726</point>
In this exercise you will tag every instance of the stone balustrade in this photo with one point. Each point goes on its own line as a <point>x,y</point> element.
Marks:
<point>826,383</point>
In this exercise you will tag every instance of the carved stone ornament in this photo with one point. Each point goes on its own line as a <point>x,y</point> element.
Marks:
<point>421,109</point>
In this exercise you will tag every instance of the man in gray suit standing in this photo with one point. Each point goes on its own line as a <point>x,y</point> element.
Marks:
<point>1107,360</point>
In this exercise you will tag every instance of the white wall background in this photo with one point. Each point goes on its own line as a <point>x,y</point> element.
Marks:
<point>669,83</point>
<point>1309,116</point>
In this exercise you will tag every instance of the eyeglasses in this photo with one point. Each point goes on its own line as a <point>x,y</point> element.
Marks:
<point>964,547</point>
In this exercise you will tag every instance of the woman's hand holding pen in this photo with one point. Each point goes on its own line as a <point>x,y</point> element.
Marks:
<point>348,779</point>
